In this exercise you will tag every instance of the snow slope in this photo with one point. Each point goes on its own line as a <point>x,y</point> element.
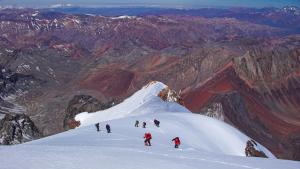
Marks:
<point>144,101</point>
<point>206,143</point>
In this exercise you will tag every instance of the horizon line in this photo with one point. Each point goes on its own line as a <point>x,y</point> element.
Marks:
<point>67,5</point>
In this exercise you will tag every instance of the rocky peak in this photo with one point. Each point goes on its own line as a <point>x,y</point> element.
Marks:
<point>19,128</point>
<point>291,10</point>
<point>262,67</point>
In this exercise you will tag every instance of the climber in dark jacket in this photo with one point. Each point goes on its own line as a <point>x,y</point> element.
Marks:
<point>136,123</point>
<point>97,126</point>
<point>156,122</point>
<point>144,124</point>
<point>108,128</point>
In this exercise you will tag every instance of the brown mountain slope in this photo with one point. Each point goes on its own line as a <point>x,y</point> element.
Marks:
<point>271,117</point>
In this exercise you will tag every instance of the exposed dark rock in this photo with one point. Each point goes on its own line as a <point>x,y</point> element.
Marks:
<point>83,103</point>
<point>214,110</point>
<point>251,151</point>
<point>11,82</point>
<point>15,129</point>
<point>295,143</point>
<point>170,95</point>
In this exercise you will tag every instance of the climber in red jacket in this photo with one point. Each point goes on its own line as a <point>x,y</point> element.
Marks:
<point>177,141</point>
<point>147,137</point>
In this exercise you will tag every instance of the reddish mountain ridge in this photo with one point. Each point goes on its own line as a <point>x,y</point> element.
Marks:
<point>265,110</point>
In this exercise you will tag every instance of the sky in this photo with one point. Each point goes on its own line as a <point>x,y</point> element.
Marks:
<point>162,3</point>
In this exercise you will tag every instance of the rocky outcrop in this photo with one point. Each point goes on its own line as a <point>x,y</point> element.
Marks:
<point>83,103</point>
<point>251,151</point>
<point>15,129</point>
<point>11,82</point>
<point>214,110</point>
<point>170,95</point>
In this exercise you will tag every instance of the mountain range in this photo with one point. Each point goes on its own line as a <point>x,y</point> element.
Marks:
<point>238,65</point>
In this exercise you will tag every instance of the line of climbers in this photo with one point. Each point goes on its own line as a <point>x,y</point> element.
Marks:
<point>147,135</point>
<point>156,123</point>
<point>250,150</point>
<point>97,125</point>
<point>148,138</point>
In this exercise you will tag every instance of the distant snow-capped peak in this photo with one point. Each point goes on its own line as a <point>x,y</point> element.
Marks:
<point>291,9</point>
<point>124,17</point>
<point>60,5</point>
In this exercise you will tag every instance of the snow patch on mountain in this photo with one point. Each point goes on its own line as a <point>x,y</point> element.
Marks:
<point>60,5</point>
<point>35,13</point>
<point>124,17</point>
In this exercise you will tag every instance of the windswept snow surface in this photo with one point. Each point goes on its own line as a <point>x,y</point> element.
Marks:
<point>206,142</point>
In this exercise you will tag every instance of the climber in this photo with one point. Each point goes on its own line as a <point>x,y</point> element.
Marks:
<point>177,141</point>
<point>156,122</point>
<point>136,123</point>
<point>144,124</point>
<point>147,138</point>
<point>97,126</point>
<point>108,128</point>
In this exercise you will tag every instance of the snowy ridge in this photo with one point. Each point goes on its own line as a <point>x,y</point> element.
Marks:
<point>145,104</point>
<point>206,143</point>
<point>144,101</point>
